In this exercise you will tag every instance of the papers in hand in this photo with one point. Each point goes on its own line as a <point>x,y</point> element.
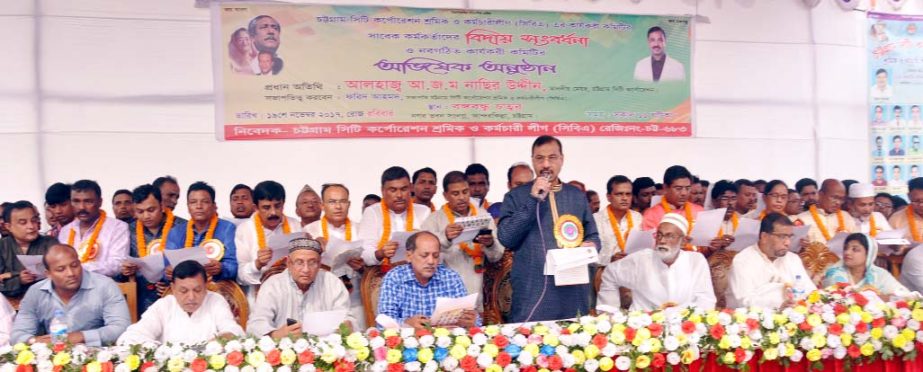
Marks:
<point>401,238</point>
<point>279,245</point>
<point>800,233</point>
<point>323,323</point>
<point>472,225</point>
<point>747,234</point>
<point>638,240</point>
<point>387,322</point>
<point>707,225</point>
<point>892,237</point>
<point>33,263</point>
<point>175,256</point>
<point>449,310</point>
<point>835,244</point>
<point>569,265</point>
<point>339,251</point>
<point>150,266</point>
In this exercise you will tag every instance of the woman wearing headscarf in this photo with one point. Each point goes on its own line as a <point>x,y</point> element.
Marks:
<point>857,267</point>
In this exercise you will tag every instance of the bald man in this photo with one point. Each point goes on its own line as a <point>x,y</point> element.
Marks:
<point>826,218</point>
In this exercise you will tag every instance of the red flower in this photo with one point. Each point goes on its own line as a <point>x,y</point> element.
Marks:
<point>57,368</point>
<point>839,309</point>
<point>345,366</point>
<point>146,365</point>
<point>570,370</point>
<point>753,324</point>
<point>853,351</point>
<point>835,329</point>
<point>59,347</point>
<point>860,299</point>
<point>235,358</point>
<point>630,334</point>
<point>473,331</point>
<point>688,327</point>
<point>273,357</point>
<point>27,368</point>
<point>525,331</point>
<point>504,359</point>
<point>739,355</point>
<point>716,331</point>
<point>396,367</point>
<point>501,341</point>
<point>422,332</point>
<point>565,331</point>
<point>656,329</point>
<point>373,333</point>
<point>392,342</point>
<point>658,361</point>
<point>555,363</point>
<point>862,328</point>
<point>600,340</point>
<point>468,363</point>
<point>107,367</point>
<point>198,365</point>
<point>901,304</point>
<point>529,368</point>
<point>804,326</point>
<point>878,323</point>
<point>306,357</point>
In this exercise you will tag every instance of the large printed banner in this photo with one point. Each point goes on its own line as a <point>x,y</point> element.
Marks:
<point>895,96</point>
<point>318,71</point>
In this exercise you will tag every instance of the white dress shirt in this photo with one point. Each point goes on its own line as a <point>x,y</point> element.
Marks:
<point>881,223</point>
<point>248,249</point>
<point>687,282</point>
<point>355,298</point>
<point>607,237</point>
<point>912,270</point>
<point>830,221</point>
<point>281,299</point>
<point>456,259</point>
<point>166,322</point>
<point>112,242</point>
<point>755,280</point>
<point>673,70</point>
<point>7,314</point>
<point>370,231</point>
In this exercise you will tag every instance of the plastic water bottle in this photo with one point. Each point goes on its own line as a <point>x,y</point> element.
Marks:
<point>58,327</point>
<point>798,290</point>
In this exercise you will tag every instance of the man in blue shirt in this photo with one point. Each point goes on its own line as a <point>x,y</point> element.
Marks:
<point>94,307</point>
<point>409,292</point>
<point>203,213</point>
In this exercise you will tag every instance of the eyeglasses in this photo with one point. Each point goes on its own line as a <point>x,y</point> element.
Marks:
<point>884,205</point>
<point>667,237</point>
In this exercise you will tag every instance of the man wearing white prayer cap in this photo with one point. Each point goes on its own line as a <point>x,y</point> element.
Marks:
<point>862,208</point>
<point>663,276</point>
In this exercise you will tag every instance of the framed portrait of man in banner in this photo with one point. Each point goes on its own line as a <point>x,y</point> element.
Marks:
<point>287,71</point>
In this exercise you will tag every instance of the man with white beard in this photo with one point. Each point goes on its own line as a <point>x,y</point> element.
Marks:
<point>663,276</point>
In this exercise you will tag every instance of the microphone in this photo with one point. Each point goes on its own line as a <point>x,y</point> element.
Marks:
<point>543,193</point>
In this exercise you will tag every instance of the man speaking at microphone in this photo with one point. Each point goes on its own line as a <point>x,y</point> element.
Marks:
<point>539,216</point>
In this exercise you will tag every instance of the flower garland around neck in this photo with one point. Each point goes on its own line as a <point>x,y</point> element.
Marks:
<point>324,229</point>
<point>386,231</point>
<point>734,221</point>
<point>429,204</point>
<point>615,226</point>
<point>190,236</point>
<point>912,225</point>
<point>89,252</point>
<point>476,252</point>
<point>873,228</point>
<point>261,235</point>
<point>667,208</point>
<point>164,234</point>
<point>820,223</point>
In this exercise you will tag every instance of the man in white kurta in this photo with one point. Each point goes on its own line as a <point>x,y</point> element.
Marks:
<point>189,315</point>
<point>617,218</point>
<point>302,288</point>
<point>912,270</point>
<point>112,240</point>
<point>254,254</point>
<point>828,211</point>
<point>862,208</point>
<point>662,276</point>
<point>399,212</point>
<point>467,258</point>
<point>334,226</point>
<point>767,274</point>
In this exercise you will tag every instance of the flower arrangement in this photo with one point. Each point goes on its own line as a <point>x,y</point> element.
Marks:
<point>854,327</point>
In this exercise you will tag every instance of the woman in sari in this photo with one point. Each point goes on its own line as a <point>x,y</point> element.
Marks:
<point>857,268</point>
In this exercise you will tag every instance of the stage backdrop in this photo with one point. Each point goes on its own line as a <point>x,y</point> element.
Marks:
<point>319,71</point>
<point>895,97</point>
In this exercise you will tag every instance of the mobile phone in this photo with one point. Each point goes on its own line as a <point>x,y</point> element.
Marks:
<point>485,232</point>
<point>290,321</point>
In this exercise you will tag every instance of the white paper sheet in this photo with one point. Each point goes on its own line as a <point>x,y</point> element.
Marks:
<point>835,244</point>
<point>175,256</point>
<point>707,224</point>
<point>151,266</point>
<point>33,263</point>
<point>655,200</point>
<point>892,237</point>
<point>401,238</point>
<point>800,233</point>
<point>323,323</point>
<point>339,251</point>
<point>387,322</point>
<point>748,233</point>
<point>474,222</point>
<point>448,310</point>
<point>466,236</point>
<point>279,245</point>
<point>570,266</point>
<point>638,240</point>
